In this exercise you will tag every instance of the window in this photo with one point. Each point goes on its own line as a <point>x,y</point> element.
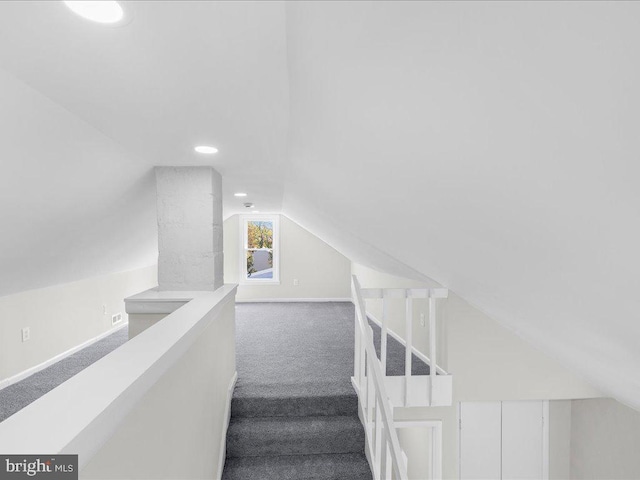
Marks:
<point>259,255</point>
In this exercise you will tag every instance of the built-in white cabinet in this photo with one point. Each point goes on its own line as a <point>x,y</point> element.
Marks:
<point>503,440</point>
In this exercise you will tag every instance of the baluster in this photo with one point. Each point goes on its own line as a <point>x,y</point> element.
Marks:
<point>356,350</point>
<point>362,355</point>
<point>356,353</point>
<point>378,443</point>
<point>383,334</point>
<point>409,347</point>
<point>388,463</point>
<point>432,348</point>
<point>371,396</point>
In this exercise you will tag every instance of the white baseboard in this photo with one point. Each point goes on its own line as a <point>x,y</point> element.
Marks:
<point>30,371</point>
<point>291,300</point>
<point>223,440</point>
<point>402,342</point>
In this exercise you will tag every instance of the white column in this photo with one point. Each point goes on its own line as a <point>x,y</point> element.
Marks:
<point>189,202</point>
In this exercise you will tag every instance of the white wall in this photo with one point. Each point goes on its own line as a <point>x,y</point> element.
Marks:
<point>487,361</point>
<point>177,429</point>
<point>322,272</point>
<point>605,435</point>
<point>476,346</point>
<point>416,443</point>
<point>63,316</point>
<point>559,439</point>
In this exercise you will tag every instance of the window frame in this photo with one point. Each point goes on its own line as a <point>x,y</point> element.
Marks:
<point>243,279</point>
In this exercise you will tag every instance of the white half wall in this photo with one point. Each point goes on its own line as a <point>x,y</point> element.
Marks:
<point>321,271</point>
<point>178,428</point>
<point>63,316</point>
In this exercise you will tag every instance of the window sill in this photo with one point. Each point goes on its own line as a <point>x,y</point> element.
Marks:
<point>259,282</point>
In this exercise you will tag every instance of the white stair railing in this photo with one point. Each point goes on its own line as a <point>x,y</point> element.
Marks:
<point>383,447</point>
<point>437,386</point>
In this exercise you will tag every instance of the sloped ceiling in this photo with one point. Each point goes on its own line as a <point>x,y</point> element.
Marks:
<point>491,147</point>
<point>88,110</point>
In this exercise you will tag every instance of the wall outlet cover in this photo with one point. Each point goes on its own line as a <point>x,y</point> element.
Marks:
<point>296,282</point>
<point>26,334</point>
<point>117,318</point>
<point>422,320</point>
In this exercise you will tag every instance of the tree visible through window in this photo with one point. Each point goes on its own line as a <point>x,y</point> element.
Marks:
<point>259,249</point>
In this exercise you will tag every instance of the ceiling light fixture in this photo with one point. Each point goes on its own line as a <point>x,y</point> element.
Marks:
<point>206,149</point>
<point>239,194</point>
<point>97,10</point>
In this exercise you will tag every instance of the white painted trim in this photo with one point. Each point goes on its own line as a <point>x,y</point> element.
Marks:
<point>227,416</point>
<point>545,440</point>
<point>242,271</point>
<point>369,293</point>
<point>400,340</point>
<point>30,371</point>
<point>291,300</point>
<point>459,437</point>
<point>159,301</point>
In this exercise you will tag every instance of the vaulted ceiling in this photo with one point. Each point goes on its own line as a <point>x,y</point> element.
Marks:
<point>492,147</point>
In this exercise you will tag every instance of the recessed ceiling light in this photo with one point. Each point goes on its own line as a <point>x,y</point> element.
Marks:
<point>97,10</point>
<point>206,149</point>
<point>239,194</point>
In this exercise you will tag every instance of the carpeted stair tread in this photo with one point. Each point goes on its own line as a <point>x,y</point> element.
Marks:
<point>294,400</point>
<point>261,436</point>
<point>351,466</point>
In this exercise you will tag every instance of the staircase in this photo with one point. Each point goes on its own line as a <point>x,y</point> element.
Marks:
<point>311,433</point>
<point>294,414</point>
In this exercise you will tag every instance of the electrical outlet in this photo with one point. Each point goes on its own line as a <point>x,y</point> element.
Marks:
<point>422,320</point>
<point>26,334</point>
<point>104,309</point>
<point>117,318</point>
<point>296,282</point>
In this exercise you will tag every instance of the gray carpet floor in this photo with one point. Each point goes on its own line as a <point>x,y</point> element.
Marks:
<point>17,396</point>
<point>294,411</point>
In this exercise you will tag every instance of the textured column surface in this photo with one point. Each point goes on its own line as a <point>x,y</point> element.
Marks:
<point>189,228</point>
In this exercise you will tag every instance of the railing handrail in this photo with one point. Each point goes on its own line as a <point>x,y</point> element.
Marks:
<point>398,463</point>
<point>404,292</point>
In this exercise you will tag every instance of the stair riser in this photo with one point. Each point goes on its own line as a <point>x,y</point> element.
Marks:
<point>248,441</point>
<point>310,446</point>
<point>298,407</point>
<point>294,467</point>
